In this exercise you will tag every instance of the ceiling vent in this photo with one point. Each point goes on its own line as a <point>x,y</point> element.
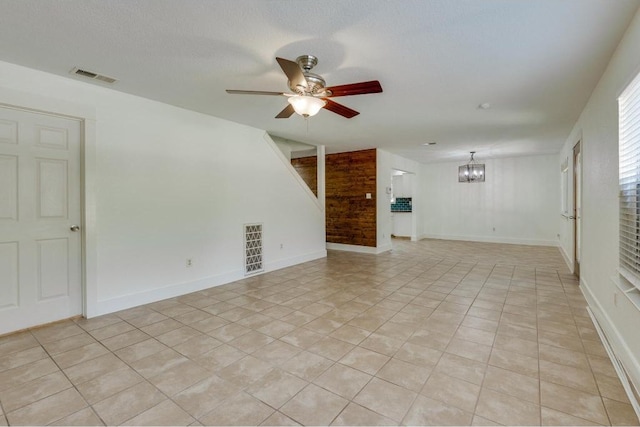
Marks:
<point>91,75</point>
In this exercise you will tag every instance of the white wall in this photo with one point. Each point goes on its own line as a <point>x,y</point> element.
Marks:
<point>520,199</point>
<point>597,127</point>
<point>166,184</point>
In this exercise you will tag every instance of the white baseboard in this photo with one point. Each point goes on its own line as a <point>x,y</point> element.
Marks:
<point>146,297</point>
<point>567,258</point>
<point>288,262</point>
<point>359,249</point>
<point>384,248</point>
<point>624,361</point>
<point>489,239</point>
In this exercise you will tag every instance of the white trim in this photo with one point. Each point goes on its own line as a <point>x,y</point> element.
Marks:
<point>288,262</point>
<point>41,104</point>
<point>90,244</point>
<point>358,249</point>
<point>384,248</point>
<point>618,349</point>
<point>145,297</point>
<point>322,176</point>
<point>178,289</point>
<point>566,257</point>
<point>483,239</point>
<point>629,179</point>
<point>616,364</point>
<point>87,115</point>
<point>628,289</point>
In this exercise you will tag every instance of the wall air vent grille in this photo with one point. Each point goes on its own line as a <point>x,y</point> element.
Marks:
<point>253,262</point>
<point>92,75</point>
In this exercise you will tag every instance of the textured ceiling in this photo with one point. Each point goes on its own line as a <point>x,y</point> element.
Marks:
<point>535,61</point>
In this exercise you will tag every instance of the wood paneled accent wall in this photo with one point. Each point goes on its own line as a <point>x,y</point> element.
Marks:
<point>307,168</point>
<point>350,216</point>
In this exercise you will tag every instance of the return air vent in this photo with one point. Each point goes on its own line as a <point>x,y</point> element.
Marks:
<point>253,249</point>
<point>92,75</point>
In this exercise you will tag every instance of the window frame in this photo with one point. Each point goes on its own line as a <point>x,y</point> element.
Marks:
<point>629,190</point>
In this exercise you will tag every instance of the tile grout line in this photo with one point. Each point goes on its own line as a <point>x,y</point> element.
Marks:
<point>146,380</point>
<point>393,284</point>
<point>73,385</point>
<point>538,345</point>
<point>475,408</point>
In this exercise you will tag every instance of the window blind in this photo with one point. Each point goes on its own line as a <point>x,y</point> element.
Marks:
<point>629,174</point>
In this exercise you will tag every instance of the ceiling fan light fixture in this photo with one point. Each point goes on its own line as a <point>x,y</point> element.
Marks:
<point>306,105</point>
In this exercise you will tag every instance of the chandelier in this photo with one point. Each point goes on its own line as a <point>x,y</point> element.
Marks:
<point>472,171</point>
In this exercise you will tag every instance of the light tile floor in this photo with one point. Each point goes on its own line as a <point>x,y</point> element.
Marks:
<point>434,332</point>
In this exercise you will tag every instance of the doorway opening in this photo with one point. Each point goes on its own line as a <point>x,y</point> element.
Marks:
<point>401,200</point>
<point>577,208</point>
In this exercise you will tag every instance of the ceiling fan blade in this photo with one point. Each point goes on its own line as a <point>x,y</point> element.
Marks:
<point>340,109</point>
<point>356,88</point>
<point>253,92</point>
<point>286,113</point>
<point>293,72</point>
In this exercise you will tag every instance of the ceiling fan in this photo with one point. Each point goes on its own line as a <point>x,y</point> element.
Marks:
<point>310,93</point>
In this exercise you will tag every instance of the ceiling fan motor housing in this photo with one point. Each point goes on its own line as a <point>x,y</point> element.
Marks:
<point>307,62</point>
<point>315,83</point>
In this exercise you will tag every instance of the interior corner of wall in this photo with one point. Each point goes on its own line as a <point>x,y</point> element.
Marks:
<point>567,258</point>
<point>385,247</point>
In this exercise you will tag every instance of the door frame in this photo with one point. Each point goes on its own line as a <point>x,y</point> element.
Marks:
<point>577,201</point>
<point>87,117</point>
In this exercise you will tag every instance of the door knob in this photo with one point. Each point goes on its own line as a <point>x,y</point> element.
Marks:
<point>74,228</point>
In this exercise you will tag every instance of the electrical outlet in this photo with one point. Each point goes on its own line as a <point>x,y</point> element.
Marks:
<point>281,245</point>
<point>189,262</point>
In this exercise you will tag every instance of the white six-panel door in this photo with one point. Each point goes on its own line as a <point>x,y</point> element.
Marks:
<point>40,254</point>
